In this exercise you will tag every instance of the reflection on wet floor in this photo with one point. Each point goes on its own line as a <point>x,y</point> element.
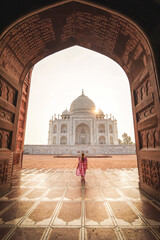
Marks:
<point>52,204</point>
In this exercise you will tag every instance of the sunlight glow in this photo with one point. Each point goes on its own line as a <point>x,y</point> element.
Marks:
<point>96,110</point>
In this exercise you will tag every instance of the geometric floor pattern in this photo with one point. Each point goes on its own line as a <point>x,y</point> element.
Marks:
<point>53,204</point>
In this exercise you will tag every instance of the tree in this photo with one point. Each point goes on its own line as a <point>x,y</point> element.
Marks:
<point>120,141</point>
<point>126,139</point>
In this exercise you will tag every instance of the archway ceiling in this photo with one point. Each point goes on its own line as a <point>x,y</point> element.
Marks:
<point>70,24</point>
<point>144,12</point>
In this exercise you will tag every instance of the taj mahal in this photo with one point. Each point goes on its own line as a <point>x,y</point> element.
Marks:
<point>82,125</point>
<point>82,129</point>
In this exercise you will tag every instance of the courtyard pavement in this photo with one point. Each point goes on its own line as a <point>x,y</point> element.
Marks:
<point>53,204</point>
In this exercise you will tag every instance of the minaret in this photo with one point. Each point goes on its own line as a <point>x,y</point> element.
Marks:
<point>50,132</point>
<point>115,132</point>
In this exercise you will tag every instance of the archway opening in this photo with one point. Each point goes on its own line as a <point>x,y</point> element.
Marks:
<point>100,77</point>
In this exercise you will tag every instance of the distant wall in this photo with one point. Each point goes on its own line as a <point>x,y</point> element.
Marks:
<point>75,150</point>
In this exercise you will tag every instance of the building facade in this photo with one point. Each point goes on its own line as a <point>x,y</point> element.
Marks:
<point>82,125</point>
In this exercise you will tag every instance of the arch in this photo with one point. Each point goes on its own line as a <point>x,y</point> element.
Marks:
<point>82,134</point>
<point>49,30</point>
<point>110,129</point>
<point>111,140</point>
<point>63,140</point>
<point>64,128</point>
<point>101,128</point>
<point>54,140</point>
<point>55,129</point>
<point>102,140</point>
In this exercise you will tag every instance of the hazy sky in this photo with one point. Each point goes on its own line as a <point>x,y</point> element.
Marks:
<point>58,79</point>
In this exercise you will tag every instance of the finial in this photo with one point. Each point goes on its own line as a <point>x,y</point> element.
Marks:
<point>82,91</point>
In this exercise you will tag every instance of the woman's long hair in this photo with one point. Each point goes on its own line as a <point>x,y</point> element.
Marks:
<point>83,157</point>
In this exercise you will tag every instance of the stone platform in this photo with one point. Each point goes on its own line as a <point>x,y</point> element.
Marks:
<point>53,204</point>
<point>75,150</point>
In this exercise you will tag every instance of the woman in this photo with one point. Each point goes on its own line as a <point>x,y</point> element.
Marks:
<point>81,168</point>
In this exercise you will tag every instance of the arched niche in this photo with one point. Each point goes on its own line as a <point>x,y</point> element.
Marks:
<point>102,140</point>
<point>54,140</point>
<point>64,128</point>
<point>110,129</point>
<point>63,140</point>
<point>82,134</point>
<point>55,129</point>
<point>101,128</point>
<point>111,140</point>
<point>102,30</point>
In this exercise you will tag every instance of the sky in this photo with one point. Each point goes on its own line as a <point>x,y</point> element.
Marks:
<point>58,79</point>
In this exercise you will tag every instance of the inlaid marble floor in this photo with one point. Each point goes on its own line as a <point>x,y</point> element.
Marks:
<point>49,204</point>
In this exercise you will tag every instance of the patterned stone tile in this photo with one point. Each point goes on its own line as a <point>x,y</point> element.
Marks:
<point>105,183</point>
<point>17,193</point>
<point>4,231</point>
<point>133,183</point>
<point>75,184</point>
<point>4,204</point>
<point>66,176</point>
<point>92,194</point>
<point>28,233</point>
<point>18,183</point>
<point>48,183</point>
<point>110,193</point>
<point>58,205</point>
<point>41,214</point>
<point>32,184</point>
<point>138,234</point>
<point>91,183</point>
<point>61,183</point>
<point>151,213</point>
<point>96,214</point>
<point>16,212</point>
<point>70,213</point>
<point>54,194</point>
<point>157,230</point>
<point>124,214</point>
<point>101,234</point>
<point>64,233</point>
<point>74,194</point>
<point>131,193</point>
<point>36,193</point>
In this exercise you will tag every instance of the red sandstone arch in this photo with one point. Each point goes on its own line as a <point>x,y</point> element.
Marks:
<point>101,30</point>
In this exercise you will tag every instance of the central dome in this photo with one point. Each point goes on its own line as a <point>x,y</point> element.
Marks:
<point>82,104</point>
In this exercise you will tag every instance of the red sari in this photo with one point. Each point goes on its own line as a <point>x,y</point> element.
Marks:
<point>81,168</point>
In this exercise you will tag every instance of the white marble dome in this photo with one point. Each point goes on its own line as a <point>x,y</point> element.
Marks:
<point>82,104</point>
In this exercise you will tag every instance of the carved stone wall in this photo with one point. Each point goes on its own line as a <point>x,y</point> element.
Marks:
<point>6,159</point>
<point>8,101</point>
<point>151,173</point>
<point>7,92</point>
<point>17,157</point>
<point>5,139</point>
<point>150,138</point>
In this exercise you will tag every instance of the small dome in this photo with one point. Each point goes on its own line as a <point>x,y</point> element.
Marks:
<point>65,113</point>
<point>100,112</point>
<point>82,104</point>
